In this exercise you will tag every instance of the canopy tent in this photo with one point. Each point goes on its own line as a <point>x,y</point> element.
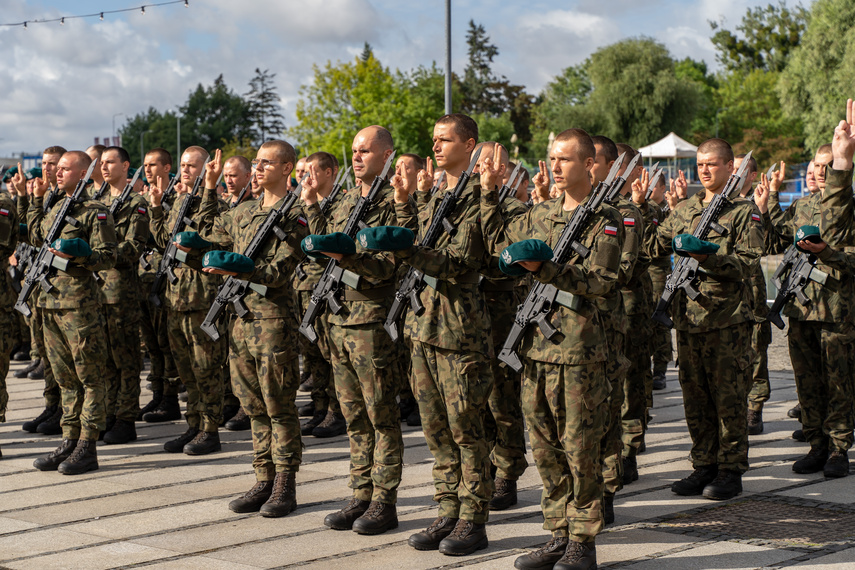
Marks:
<point>671,148</point>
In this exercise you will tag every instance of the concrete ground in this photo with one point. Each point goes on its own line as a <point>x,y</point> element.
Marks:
<point>147,508</point>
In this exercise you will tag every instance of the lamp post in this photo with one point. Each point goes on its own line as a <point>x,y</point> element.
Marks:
<point>447,57</point>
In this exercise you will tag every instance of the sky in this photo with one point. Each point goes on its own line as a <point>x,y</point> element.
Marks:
<point>66,84</point>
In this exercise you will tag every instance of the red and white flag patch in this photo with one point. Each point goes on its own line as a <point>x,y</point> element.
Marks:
<point>655,221</point>
<point>4,212</point>
<point>302,221</point>
<point>141,210</point>
<point>629,221</point>
<point>755,217</point>
<point>610,231</point>
<point>102,217</point>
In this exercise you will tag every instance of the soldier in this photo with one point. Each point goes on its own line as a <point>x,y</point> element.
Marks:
<point>263,356</point>
<point>199,359</point>
<point>8,242</point>
<point>163,374</point>
<point>714,331</point>
<point>565,387</point>
<point>95,151</point>
<point>299,171</point>
<point>120,290</point>
<point>361,352</point>
<point>237,172</point>
<point>660,267</point>
<point>72,316</point>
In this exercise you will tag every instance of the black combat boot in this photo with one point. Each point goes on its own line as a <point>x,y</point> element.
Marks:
<point>229,411</point>
<point>694,484</point>
<point>240,422</point>
<point>308,427</point>
<point>333,425</point>
<point>799,435</point>
<point>283,499</point>
<point>156,399</point>
<point>659,382</point>
<point>252,500</point>
<point>168,410</point>
<point>795,412</point>
<point>22,354</point>
<point>578,556</point>
<point>430,538</point>
<point>32,425</point>
<point>466,538</point>
<point>24,372</point>
<point>505,495</point>
<point>204,443</point>
<point>726,485</point>
<point>122,432</point>
<point>837,464</point>
<point>630,469</point>
<point>111,421</point>
<point>407,406</point>
<point>343,519</point>
<point>379,518</point>
<point>177,445</point>
<point>308,410</point>
<point>57,456</point>
<point>755,422</point>
<point>415,418</point>
<point>37,373</point>
<point>306,381</point>
<point>545,556</point>
<point>813,462</point>
<point>52,425</point>
<point>84,458</point>
<point>608,508</point>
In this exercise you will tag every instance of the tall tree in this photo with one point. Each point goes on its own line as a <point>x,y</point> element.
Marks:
<point>561,105</point>
<point>479,90</point>
<point>264,107</point>
<point>215,115</point>
<point>148,130</point>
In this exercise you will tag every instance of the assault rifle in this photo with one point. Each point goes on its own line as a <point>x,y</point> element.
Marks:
<point>51,199</point>
<point>617,186</point>
<point>169,194</point>
<point>118,204</point>
<point>234,290</point>
<point>329,285</point>
<point>45,260</point>
<point>414,281</point>
<point>654,180</point>
<point>505,190</point>
<point>171,254</point>
<point>542,298</point>
<point>685,271</point>
<point>101,191</point>
<point>326,206</point>
<point>438,183</point>
<point>791,277</point>
<point>24,254</point>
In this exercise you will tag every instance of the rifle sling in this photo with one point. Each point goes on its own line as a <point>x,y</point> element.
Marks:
<point>569,300</point>
<point>469,278</point>
<point>374,294</point>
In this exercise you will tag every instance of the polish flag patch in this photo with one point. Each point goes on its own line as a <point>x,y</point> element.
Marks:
<point>102,217</point>
<point>141,210</point>
<point>610,231</point>
<point>655,221</point>
<point>4,212</point>
<point>302,221</point>
<point>629,221</point>
<point>755,217</point>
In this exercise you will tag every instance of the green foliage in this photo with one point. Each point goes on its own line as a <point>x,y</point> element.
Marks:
<point>239,147</point>
<point>264,108</point>
<point>820,73</point>
<point>215,115</point>
<point>560,106</point>
<point>499,129</point>
<point>413,119</point>
<point>156,129</point>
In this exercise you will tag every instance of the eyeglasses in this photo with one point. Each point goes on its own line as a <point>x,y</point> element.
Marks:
<point>263,163</point>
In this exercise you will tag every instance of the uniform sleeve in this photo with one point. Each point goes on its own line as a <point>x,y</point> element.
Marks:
<point>102,240</point>
<point>631,248</point>
<point>220,230</point>
<point>8,232</point>
<point>35,217</point>
<point>278,270</point>
<point>837,222</point>
<point>131,247</point>
<point>744,259</point>
<point>316,220</point>
<point>159,225</point>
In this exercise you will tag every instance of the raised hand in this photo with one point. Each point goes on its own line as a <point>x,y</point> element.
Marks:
<point>41,185</point>
<point>541,183</point>
<point>843,143</point>
<point>310,185</point>
<point>399,183</point>
<point>777,179</point>
<point>681,185</point>
<point>761,193</point>
<point>492,170</point>
<point>639,187</point>
<point>155,192</point>
<point>215,168</point>
<point>19,182</point>
<point>425,177</point>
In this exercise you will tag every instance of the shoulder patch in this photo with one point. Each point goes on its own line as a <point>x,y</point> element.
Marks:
<point>4,212</point>
<point>302,221</point>
<point>102,217</point>
<point>655,221</point>
<point>755,217</point>
<point>629,221</point>
<point>610,231</point>
<point>141,210</point>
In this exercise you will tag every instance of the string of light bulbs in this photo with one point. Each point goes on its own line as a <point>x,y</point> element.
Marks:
<point>99,15</point>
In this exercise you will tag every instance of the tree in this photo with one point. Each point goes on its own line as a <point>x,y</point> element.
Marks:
<point>264,107</point>
<point>148,130</point>
<point>422,103</point>
<point>215,115</point>
<point>560,106</point>
<point>767,37</point>
<point>820,73</point>
<point>479,90</point>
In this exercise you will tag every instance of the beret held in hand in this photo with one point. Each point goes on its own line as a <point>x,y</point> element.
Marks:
<point>386,238</point>
<point>686,244</point>
<point>192,240</point>
<point>525,250</point>
<point>336,242</point>
<point>228,261</point>
<point>807,233</point>
<point>74,247</point>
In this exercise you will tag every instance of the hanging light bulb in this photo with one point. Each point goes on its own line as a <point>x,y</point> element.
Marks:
<point>25,25</point>
<point>62,21</point>
<point>102,16</point>
<point>142,10</point>
<point>186,3</point>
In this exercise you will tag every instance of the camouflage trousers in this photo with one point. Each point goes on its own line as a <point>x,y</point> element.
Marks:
<point>7,343</point>
<point>76,342</point>
<point>715,375</point>
<point>823,365</point>
<point>612,445</point>
<point>154,335</point>
<point>51,392</point>
<point>636,383</point>
<point>23,329</point>
<point>367,382</point>
<point>566,414</point>
<point>229,396</point>
<point>265,377</point>
<point>122,370</point>
<point>761,390</point>
<point>316,358</point>
<point>504,424</point>
<point>200,365</point>
<point>662,347</point>
<point>451,388</point>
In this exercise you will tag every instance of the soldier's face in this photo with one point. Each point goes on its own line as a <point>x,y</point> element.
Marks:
<point>713,171</point>
<point>449,148</point>
<point>191,167</point>
<point>154,168</point>
<point>600,170</point>
<point>810,179</point>
<point>68,173</point>
<point>49,165</point>
<point>522,191</point>
<point>300,169</point>
<point>113,169</point>
<point>368,157</point>
<point>235,177</point>
<point>820,167</point>
<point>568,168</point>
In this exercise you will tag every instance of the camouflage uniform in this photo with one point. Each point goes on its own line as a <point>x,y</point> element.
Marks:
<point>367,381</point>
<point>714,332</point>
<point>72,316</point>
<point>199,359</point>
<point>451,375</point>
<point>565,386</point>
<point>153,328</point>
<point>120,290</point>
<point>262,345</point>
<point>661,347</point>
<point>8,242</point>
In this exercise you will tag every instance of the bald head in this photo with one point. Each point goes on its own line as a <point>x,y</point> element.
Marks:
<point>371,147</point>
<point>378,135</point>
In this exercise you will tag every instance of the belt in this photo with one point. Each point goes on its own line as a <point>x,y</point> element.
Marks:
<point>369,294</point>
<point>470,278</point>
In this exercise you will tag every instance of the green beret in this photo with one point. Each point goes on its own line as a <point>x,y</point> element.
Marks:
<point>191,239</point>
<point>10,173</point>
<point>34,173</point>
<point>386,238</point>
<point>336,242</point>
<point>684,244</point>
<point>808,233</point>
<point>74,247</point>
<point>228,261</point>
<point>525,250</point>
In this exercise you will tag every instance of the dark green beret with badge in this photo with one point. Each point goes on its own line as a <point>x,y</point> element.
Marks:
<point>336,242</point>
<point>75,247</point>
<point>386,238</point>
<point>525,250</point>
<point>686,244</point>
<point>807,233</point>
<point>192,240</point>
<point>34,173</point>
<point>9,173</point>
<point>228,261</point>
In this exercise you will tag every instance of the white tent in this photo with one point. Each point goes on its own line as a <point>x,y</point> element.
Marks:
<point>671,148</point>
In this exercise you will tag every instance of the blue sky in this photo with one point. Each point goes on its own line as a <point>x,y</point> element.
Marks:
<point>63,84</point>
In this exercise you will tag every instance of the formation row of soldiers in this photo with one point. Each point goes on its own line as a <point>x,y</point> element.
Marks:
<point>584,392</point>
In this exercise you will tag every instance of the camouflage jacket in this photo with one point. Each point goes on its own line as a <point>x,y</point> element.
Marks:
<point>76,286</point>
<point>275,261</point>
<point>312,270</point>
<point>195,290</point>
<point>633,280</point>
<point>725,297</point>
<point>121,283</point>
<point>654,215</point>
<point>757,281</point>
<point>8,242</point>
<point>837,227</point>
<point>370,301</point>
<point>494,279</point>
<point>582,337</point>
<point>455,316</point>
